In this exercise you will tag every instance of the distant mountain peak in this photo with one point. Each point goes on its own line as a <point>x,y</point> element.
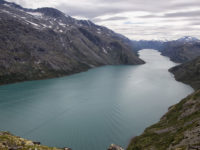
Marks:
<point>188,39</point>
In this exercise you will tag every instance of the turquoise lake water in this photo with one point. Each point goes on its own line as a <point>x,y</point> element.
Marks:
<point>91,110</point>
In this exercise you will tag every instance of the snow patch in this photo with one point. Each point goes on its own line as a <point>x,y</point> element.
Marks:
<point>62,24</point>
<point>6,5</point>
<point>105,51</point>
<point>36,14</point>
<point>34,24</point>
<point>6,11</point>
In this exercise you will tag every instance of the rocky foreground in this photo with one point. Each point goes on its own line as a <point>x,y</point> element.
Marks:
<point>11,142</point>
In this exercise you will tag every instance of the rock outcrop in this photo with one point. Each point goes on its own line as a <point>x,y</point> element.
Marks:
<point>115,147</point>
<point>11,142</point>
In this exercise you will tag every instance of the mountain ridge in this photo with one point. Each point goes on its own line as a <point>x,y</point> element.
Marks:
<point>45,43</point>
<point>181,50</point>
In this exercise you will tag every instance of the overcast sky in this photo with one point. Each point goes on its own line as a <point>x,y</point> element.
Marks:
<point>136,19</point>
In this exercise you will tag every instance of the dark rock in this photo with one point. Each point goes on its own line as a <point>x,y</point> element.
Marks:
<point>115,147</point>
<point>37,143</point>
<point>67,148</point>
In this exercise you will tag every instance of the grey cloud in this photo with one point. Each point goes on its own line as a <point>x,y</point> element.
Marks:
<point>176,14</point>
<point>160,11</point>
<point>183,14</point>
<point>109,19</point>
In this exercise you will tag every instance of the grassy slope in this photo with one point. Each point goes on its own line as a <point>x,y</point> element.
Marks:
<point>176,130</point>
<point>8,141</point>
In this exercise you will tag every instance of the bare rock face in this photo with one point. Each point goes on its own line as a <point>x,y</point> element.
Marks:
<point>115,147</point>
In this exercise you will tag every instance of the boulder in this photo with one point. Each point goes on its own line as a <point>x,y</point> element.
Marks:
<point>115,147</point>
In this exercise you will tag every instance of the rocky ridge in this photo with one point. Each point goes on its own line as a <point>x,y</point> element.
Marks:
<point>180,50</point>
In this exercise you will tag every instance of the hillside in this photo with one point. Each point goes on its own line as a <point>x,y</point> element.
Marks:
<point>151,44</point>
<point>182,50</point>
<point>11,142</point>
<point>178,129</point>
<point>188,73</point>
<point>44,43</point>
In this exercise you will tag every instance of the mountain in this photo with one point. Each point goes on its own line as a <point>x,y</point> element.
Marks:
<point>188,73</point>
<point>151,44</point>
<point>182,50</point>
<point>44,43</point>
<point>186,39</point>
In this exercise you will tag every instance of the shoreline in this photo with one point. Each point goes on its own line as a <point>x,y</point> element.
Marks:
<point>82,72</point>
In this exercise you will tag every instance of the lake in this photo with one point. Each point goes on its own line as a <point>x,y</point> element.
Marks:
<point>91,110</point>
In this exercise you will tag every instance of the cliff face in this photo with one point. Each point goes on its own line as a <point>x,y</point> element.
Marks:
<point>188,73</point>
<point>43,43</point>
<point>178,129</point>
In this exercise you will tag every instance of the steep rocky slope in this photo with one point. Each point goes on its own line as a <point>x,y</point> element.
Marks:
<point>182,50</point>
<point>43,43</point>
<point>188,73</point>
<point>178,129</point>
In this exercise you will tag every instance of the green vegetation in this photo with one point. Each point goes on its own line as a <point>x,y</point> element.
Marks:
<point>176,130</point>
<point>8,141</point>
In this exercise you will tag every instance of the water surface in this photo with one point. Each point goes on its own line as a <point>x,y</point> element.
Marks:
<point>91,110</point>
